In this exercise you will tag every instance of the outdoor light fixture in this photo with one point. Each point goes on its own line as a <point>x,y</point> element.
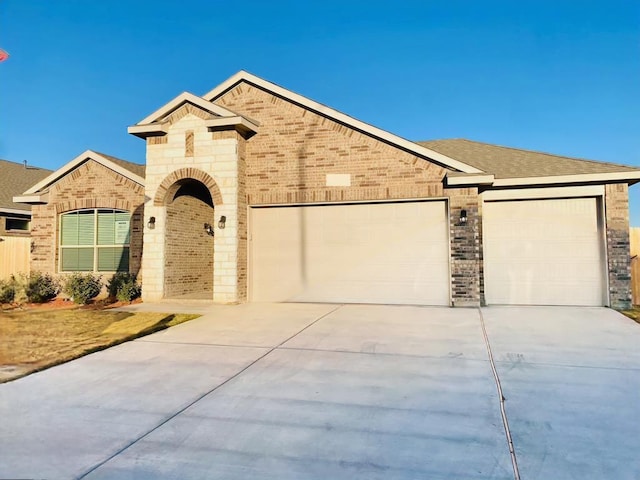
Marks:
<point>463,217</point>
<point>152,223</point>
<point>222,222</point>
<point>209,229</point>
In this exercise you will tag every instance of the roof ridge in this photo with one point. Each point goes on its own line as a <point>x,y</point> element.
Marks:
<point>29,167</point>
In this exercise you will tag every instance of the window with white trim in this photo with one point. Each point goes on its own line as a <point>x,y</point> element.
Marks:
<point>95,240</point>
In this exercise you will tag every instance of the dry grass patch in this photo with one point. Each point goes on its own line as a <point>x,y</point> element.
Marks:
<point>40,338</point>
<point>633,313</point>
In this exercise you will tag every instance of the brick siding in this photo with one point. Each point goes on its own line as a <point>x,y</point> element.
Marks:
<point>618,256</point>
<point>91,185</point>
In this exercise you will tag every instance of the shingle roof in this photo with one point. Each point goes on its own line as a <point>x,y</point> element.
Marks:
<point>15,179</point>
<point>507,162</point>
<point>134,168</point>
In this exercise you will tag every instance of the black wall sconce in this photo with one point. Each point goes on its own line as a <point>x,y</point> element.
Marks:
<point>463,217</point>
<point>209,229</point>
<point>152,223</point>
<point>222,222</point>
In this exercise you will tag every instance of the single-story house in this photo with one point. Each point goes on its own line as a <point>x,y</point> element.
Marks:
<point>255,193</point>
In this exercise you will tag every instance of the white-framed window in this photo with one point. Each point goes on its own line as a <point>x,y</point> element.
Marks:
<point>94,240</point>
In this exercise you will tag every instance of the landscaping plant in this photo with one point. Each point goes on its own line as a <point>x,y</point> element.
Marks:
<point>8,290</point>
<point>40,288</point>
<point>124,287</point>
<point>82,287</point>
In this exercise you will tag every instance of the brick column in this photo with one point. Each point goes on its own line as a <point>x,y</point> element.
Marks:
<point>465,262</point>
<point>618,256</point>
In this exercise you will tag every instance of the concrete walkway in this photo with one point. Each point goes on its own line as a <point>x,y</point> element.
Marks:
<point>293,391</point>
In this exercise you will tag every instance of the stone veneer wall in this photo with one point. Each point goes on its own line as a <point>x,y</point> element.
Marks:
<point>91,185</point>
<point>212,159</point>
<point>618,256</point>
<point>188,249</point>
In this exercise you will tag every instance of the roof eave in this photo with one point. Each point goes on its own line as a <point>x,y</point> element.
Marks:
<point>32,199</point>
<point>613,177</point>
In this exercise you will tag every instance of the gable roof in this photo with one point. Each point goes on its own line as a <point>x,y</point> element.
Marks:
<point>504,163</point>
<point>14,179</point>
<point>156,124</point>
<point>132,171</point>
<point>339,117</point>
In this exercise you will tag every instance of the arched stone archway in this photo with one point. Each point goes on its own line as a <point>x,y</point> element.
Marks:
<point>173,182</point>
<point>189,245</point>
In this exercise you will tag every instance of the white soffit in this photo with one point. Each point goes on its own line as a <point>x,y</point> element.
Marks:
<point>339,117</point>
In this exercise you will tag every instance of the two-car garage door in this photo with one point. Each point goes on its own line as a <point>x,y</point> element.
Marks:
<point>388,253</point>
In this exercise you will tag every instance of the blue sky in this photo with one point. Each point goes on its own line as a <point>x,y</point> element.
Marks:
<point>556,76</point>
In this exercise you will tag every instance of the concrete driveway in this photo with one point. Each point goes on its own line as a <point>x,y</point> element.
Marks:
<point>292,391</point>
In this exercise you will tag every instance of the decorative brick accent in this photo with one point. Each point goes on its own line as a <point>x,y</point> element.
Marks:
<point>188,143</point>
<point>170,185</point>
<point>183,111</point>
<point>618,256</point>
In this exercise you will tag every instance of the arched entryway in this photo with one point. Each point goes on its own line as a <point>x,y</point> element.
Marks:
<point>189,240</point>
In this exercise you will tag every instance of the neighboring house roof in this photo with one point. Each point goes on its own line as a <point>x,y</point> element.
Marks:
<point>37,193</point>
<point>15,178</point>
<point>506,164</point>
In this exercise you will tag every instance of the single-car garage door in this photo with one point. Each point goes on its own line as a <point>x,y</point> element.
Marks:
<point>543,252</point>
<point>389,253</point>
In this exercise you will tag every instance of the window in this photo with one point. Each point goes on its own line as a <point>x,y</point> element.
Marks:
<point>16,224</point>
<point>94,241</point>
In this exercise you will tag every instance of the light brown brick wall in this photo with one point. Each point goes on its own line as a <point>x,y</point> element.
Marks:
<point>242,220</point>
<point>618,256</point>
<point>91,185</point>
<point>188,248</point>
<point>287,161</point>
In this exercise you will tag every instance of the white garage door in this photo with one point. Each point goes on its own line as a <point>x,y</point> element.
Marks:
<point>543,252</point>
<point>389,253</point>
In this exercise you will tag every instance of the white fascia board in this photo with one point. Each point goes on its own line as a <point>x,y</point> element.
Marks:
<point>185,97</point>
<point>152,129</point>
<point>32,199</point>
<point>465,180</point>
<point>559,179</point>
<point>15,211</point>
<point>339,117</point>
<point>86,155</point>
<point>549,192</point>
<point>232,121</point>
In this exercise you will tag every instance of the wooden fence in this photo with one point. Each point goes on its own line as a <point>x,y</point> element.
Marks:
<point>14,256</point>
<point>634,240</point>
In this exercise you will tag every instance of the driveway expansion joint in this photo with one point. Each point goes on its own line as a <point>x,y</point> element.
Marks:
<point>503,412</point>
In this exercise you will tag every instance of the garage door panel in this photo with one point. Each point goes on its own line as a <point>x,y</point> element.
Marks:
<point>365,253</point>
<point>543,252</point>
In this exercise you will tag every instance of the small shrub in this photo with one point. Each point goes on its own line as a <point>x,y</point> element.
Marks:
<point>82,287</point>
<point>41,287</point>
<point>124,287</point>
<point>8,290</point>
